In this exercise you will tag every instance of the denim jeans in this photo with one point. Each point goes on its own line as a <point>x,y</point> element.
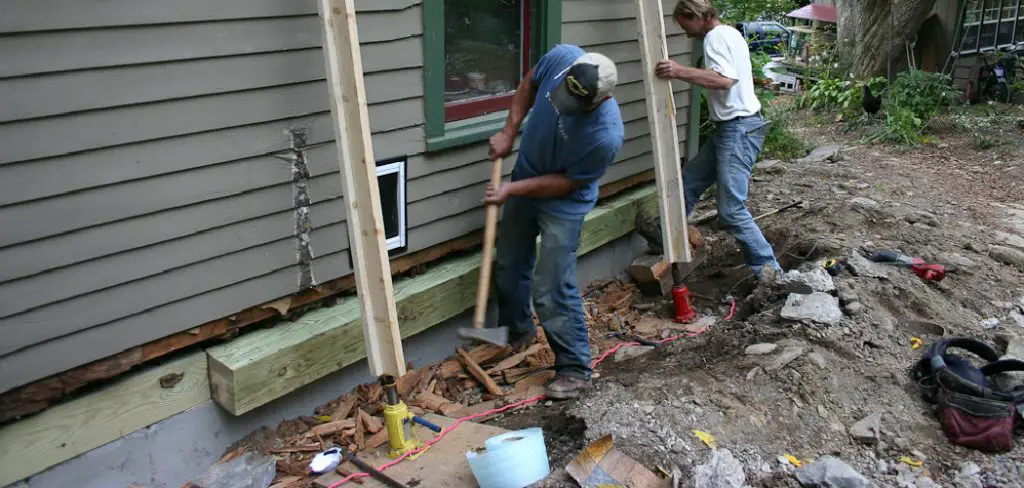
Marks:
<point>550,280</point>
<point>728,161</point>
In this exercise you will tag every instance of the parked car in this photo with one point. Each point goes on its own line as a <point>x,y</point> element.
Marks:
<point>765,36</point>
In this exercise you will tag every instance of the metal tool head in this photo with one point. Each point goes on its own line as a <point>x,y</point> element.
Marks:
<point>492,335</point>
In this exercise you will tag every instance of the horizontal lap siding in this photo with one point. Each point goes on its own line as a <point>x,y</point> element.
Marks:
<point>139,189</point>
<point>141,179</point>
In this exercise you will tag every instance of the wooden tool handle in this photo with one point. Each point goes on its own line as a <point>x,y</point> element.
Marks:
<point>490,232</point>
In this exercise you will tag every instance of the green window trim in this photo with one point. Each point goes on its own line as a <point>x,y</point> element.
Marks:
<point>545,33</point>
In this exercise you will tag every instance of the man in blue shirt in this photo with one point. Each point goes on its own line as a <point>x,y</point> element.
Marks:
<point>574,133</point>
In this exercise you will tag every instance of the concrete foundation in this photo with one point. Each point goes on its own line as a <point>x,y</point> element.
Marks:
<point>169,453</point>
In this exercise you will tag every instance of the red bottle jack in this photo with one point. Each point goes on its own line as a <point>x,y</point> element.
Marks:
<point>681,299</point>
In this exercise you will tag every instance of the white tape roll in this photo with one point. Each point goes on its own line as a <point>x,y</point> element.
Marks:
<point>513,460</point>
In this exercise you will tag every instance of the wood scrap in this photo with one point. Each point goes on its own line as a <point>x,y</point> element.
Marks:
<point>342,470</point>
<point>370,392</point>
<point>539,379</point>
<point>288,482</point>
<point>359,438</point>
<point>478,373</point>
<point>482,354</point>
<point>406,383</point>
<point>348,402</point>
<point>331,427</point>
<point>436,403</point>
<point>372,424</point>
<point>514,359</point>
<point>377,440</point>
<point>299,448</point>
<point>426,379</point>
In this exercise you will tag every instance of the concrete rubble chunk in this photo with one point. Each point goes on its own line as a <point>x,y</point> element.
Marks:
<point>923,218</point>
<point>830,472</point>
<point>807,282</point>
<point>1007,255</point>
<point>864,202</point>
<point>868,430</point>
<point>817,307</point>
<point>1010,240</point>
<point>759,349</point>
<point>247,471</point>
<point>721,471</point>
<point>630,352</point>
<point>817,359</point>
<point>862,266</point>
<point>773,166</point>
<point>830,153</point>
<point>788,355</point>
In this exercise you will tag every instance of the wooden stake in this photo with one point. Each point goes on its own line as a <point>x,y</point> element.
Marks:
<point>661,116</point>
<point>359,182</point>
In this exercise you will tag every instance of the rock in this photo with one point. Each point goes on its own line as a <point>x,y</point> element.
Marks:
<point>957,260</point>
<point>868,430</point>
<point>923,218</point>
<point>861,266</point>
<point>806,282</point>
<point>1011,240</point>
<point>817,359</point>
<point>753,373</point>
<point>1007,255</point>
<point>759,349</point>
<point>968,476</point>
<point>854,308</point>
<point>817,307</point>
<point>829,472</point>
<point>863,186</point>
<point>630,352</point>
<point>864,202</point>
<point>247,471</point>
<point>721,471</point>
<point>787,356</point>
<point>925,482</point>
<point>830,153</point>
<point>773,166</point>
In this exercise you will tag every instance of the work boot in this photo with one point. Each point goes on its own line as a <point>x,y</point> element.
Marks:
<point>519,344</point>
<point>565,387</point>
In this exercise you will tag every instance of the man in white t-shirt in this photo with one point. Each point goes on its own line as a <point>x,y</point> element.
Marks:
<point>739,129</point>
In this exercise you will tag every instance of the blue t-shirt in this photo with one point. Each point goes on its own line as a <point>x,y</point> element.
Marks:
<point>580,147</point>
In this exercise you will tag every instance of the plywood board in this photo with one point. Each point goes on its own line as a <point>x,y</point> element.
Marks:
<point>444,465</point>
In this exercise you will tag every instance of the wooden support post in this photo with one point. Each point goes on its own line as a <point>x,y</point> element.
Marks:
<point>661,116</point>
<point>359,181</point>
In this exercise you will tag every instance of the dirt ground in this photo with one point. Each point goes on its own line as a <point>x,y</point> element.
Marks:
<point>948,202</point>
<point>945,203</point>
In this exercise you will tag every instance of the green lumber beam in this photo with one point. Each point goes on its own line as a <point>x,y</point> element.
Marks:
<point>257,368</point>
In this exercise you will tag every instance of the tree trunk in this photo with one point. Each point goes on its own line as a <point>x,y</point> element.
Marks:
<point>872,33</point>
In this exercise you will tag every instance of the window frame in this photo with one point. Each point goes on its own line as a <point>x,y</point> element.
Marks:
<point>1018,13</point>
<point>399,243</point>
<point>544,32</point>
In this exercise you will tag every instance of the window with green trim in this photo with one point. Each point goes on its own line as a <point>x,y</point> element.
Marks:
<point>476,53</point>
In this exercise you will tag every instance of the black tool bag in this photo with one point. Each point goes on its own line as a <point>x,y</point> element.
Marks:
<point>973,410</point>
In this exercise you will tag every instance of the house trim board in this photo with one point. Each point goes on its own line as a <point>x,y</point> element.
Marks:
<point>35,443</point>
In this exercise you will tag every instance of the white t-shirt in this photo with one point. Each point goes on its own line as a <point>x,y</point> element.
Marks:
<point>726,51</point>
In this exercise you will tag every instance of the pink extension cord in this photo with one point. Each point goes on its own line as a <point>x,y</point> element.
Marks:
<point>445,431</point>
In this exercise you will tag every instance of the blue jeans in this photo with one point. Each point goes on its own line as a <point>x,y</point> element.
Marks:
<point>549,280</point>
<point>728,160</point>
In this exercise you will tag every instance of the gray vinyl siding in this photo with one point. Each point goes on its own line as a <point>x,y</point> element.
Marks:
<point>140,194</point>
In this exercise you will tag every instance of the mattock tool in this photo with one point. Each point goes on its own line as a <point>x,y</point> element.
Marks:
<point>494,335</point>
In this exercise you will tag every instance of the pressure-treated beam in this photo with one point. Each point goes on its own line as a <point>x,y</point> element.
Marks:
<point>661,115</point>
<point>359,182</point>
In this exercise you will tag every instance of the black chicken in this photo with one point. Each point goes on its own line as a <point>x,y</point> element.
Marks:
<point>871,103</point>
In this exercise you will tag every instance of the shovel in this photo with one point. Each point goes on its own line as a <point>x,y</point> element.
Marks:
<point>495,335</point>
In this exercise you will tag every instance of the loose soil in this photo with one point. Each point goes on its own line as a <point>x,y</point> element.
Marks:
<point>947,203</point>
<point>871,198</point>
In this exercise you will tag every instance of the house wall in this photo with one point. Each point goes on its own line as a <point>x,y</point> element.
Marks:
<point>140,194</point>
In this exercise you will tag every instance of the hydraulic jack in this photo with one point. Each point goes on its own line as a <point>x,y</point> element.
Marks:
<point>398,422</point>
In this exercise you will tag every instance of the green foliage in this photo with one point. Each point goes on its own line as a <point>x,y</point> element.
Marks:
<point>921,92</point>
<point>989,125</point>
<point>732,11</point>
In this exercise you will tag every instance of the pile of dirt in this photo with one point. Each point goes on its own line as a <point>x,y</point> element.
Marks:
<point>781,392</point>
<point>787,379</point>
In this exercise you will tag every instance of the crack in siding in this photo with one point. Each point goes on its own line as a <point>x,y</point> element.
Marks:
<point>301,202</point>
